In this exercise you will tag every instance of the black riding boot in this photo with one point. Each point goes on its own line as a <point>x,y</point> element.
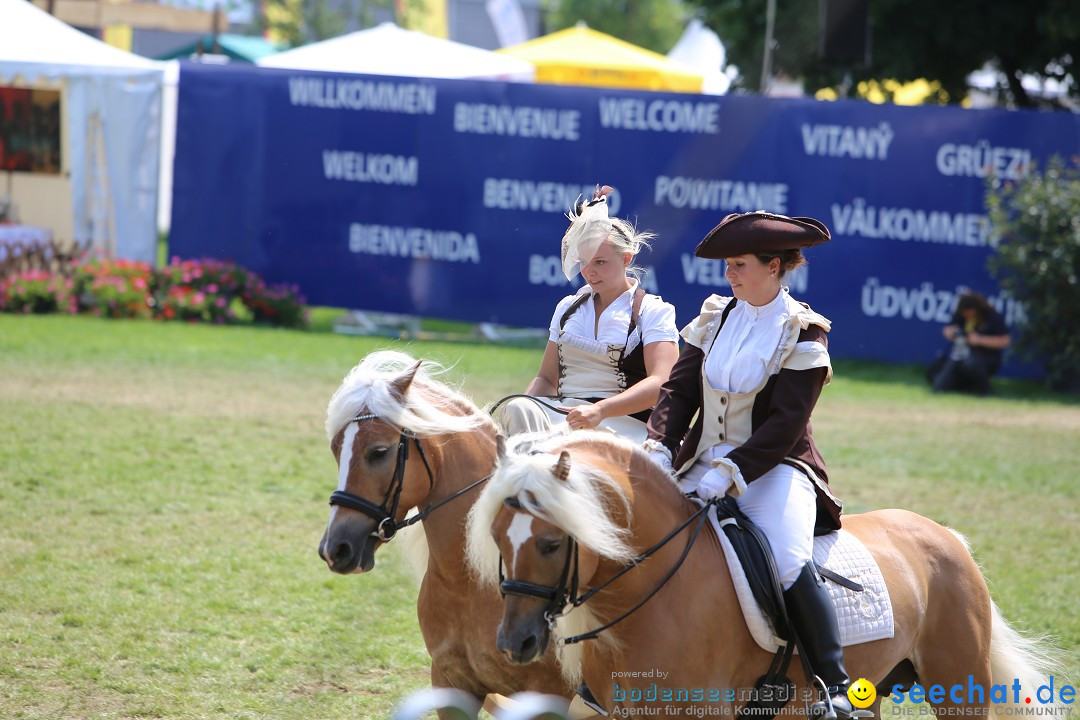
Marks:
<point>814,617</point>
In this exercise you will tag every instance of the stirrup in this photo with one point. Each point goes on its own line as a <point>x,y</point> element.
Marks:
<point>590,700</point>
<point>828,710</point>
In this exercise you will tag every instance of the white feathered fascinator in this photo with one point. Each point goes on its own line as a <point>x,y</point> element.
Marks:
<point>589,227</point>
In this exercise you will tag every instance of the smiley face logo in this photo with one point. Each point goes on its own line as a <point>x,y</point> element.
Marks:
<point>862,693</point>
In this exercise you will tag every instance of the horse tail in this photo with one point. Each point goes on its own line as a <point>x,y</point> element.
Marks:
<point>1015,655</point>
<point>415,548</point>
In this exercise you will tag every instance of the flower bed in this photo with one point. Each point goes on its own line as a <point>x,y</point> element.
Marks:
<point>211,291</point>
<point>37,291</point>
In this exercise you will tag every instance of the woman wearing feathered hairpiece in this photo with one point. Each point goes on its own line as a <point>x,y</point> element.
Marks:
<point>610,345</point>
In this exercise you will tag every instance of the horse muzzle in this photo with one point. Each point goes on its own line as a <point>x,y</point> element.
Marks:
<point>522,645</point>
<point>349,547</point>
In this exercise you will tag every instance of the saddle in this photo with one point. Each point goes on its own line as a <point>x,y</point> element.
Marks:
<point>865,613</point>
<point>756,559</point>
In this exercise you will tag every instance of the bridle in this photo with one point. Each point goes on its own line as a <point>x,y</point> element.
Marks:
<point>557,597</point>
<point>385,512</point>
<point>566,592</point>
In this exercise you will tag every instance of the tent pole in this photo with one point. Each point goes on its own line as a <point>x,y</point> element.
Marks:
<point>766,63</point>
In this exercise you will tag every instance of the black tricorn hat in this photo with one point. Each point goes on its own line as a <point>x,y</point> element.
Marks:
<point>760,232</point>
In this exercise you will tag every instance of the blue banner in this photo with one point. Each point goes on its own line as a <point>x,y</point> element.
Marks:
<point>445,198</point>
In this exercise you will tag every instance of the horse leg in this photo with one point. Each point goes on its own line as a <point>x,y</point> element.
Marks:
<point>439,680</point>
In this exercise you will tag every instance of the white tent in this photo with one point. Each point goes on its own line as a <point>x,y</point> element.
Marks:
<point>390,50</point>
<point>700,48</point>
<point>111,109</point>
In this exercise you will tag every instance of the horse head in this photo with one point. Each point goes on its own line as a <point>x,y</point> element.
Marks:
<point>377,422</point>
<point>553,523</point>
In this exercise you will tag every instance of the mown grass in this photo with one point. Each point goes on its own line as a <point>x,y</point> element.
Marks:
<point>163,488</point>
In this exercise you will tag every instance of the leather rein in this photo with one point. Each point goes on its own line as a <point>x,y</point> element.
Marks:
<point>558,597</point>
<point>566,592</point>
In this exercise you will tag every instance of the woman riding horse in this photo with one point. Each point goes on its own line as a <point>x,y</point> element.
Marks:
<point>611,345</point>
<point>751,371</point>
<point>593,545</point>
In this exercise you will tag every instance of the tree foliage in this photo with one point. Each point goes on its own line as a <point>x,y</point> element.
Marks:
<point>909,40</point>
<point>298,22</point>
<point>652,24</point>
<point>1037,261</point>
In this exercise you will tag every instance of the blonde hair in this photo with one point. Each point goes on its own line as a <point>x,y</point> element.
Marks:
<point>627,239</point>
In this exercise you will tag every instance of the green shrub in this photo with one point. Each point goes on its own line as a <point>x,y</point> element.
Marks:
<point>1037,260</point>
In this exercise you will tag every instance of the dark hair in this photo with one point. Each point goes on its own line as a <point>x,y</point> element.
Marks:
<point>789,259</point>
<point>972,300</point>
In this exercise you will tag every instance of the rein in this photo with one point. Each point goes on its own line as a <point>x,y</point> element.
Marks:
<point>385,512</point>
<point>491,410</point>
<point>560,596</point>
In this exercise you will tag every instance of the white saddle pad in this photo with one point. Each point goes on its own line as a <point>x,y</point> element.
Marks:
<point>863,616</point>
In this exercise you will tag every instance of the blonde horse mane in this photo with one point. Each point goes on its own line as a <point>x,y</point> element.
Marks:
<point>581,505</point>
<point>429,407</point>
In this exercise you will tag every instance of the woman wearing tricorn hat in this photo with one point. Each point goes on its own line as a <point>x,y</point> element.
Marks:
<point>610,345</point>
<point>751,370</point>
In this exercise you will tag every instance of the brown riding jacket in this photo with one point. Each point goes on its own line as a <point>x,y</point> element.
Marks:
<point>769,425</point>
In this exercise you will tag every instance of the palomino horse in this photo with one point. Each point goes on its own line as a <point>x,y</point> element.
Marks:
<point>607,499</point>
<point>404,440</point>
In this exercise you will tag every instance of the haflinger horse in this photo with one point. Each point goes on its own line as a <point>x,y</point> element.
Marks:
<point>572,517</point>
<point>404,440</point>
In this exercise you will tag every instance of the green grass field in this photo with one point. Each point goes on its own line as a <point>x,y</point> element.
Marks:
<point>163,488</point>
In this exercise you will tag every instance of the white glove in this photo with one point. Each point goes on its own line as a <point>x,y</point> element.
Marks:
<point>662,459</point>
<point>715,483</point>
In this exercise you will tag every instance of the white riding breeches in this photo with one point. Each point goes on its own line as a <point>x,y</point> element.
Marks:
<point>782,502</point>
<point>522,415</point>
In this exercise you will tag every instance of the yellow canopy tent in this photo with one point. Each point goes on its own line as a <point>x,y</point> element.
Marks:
<point>583,56</point>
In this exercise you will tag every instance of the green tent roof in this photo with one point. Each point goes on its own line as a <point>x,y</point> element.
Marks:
<point>242,48</point>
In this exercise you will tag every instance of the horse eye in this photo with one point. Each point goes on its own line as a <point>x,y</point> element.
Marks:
<point>377,453</point>
<point>547,547</point>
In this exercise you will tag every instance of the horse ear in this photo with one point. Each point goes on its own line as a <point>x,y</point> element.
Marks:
<point>500,447</point>
<point>562,467</point>
<point>400,385</point>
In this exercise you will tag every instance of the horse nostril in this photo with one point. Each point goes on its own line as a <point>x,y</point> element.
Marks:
<point>527,645</point>
<point>341,554</point>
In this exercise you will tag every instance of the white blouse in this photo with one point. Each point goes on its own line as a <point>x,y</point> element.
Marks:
<point>656,322</point>
<point>745,348</point>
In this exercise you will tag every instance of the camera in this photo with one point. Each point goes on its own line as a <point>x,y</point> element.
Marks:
<point>960,348</point>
